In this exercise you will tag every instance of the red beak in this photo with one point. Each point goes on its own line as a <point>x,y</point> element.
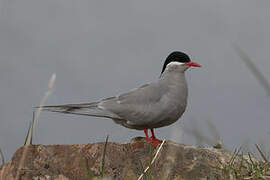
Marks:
<point>193,64</point>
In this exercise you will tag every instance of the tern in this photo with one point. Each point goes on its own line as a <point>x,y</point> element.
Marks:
<point>154,105</point>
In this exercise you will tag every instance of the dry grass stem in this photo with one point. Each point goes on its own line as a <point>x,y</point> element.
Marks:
<point>153,160</point>
<point>42,102</point>
<point>31,130</point>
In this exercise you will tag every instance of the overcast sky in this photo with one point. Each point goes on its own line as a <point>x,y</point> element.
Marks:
<point>99,49</point>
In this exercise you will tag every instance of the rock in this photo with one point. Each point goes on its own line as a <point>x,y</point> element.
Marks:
<point>122,161</point>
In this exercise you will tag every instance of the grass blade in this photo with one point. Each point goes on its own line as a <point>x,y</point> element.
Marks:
<point>2,157</point>
<point>254,70</point>
<point>150,163</point>
<point>261,153</point>
<point>31,129</point>
<point>103,158</point>
<point>142,170</point>
<point>29,136</point>
<point>35,118</point>
<point>153,160</point>
<point>199,136</point>
<point>213,130</point>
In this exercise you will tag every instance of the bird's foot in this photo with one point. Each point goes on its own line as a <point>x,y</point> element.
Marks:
<point>148,139</point>
<point>155,142</point>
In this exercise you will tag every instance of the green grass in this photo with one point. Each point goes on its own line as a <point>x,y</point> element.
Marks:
<point>29,136</point>
<point>142,170</point>
<point>103,158</point>
<point>230,168</point>
<point>2,157</point>
<point>246,167</point>
<point>149,172</point>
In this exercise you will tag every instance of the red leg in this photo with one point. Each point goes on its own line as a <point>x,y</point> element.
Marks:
<point>153,134</point>
<point>146,135</point>
<point>155,142</point>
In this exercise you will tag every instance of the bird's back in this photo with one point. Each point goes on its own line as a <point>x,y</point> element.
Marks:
<point>154,105</point>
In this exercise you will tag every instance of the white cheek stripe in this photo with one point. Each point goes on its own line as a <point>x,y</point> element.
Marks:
<point>175,63</point>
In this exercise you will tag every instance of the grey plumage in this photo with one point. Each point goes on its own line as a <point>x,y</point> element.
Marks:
<point>153,105</point>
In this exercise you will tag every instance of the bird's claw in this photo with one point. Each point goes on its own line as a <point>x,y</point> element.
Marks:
<point>153,141</point>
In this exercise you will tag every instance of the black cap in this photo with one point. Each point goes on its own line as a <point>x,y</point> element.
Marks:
<point>176,56</point>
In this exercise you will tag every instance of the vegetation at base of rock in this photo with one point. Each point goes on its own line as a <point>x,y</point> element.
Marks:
<point>248,167</point>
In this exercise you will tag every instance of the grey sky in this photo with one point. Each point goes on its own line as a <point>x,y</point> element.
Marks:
<point>101,48</point>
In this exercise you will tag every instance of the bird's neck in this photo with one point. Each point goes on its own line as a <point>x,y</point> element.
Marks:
<point>177,87</point>
<point>173,76</point>
<point>176,81</point>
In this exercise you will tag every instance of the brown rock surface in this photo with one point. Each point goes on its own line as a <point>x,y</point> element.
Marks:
<point>123,161</point>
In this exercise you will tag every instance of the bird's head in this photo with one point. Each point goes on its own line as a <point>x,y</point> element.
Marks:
<point>178,60</point>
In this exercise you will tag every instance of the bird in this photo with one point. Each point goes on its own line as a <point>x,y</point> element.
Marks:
<point>153,105</point>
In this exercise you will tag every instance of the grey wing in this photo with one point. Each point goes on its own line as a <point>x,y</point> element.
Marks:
<point>135,108</point>
<point>138,107</point>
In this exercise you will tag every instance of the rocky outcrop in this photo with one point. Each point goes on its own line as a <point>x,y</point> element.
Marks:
<point>122,161</point>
